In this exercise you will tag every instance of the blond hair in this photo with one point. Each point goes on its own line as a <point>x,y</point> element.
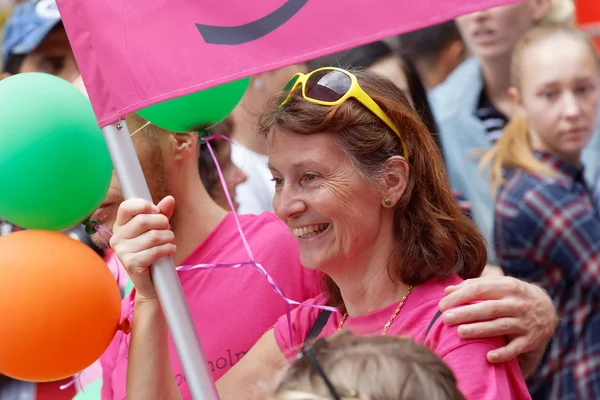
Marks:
<point>369,368</point>
<point>142,127</point>
<point>562,12</point>
<point>514,149</point>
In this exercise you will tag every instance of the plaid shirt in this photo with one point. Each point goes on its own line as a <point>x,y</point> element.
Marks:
<point>547,231</point>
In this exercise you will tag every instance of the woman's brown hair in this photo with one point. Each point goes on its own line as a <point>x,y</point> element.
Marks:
<point>514,149</point>
<point>369,368</point>
<point>434,239</point>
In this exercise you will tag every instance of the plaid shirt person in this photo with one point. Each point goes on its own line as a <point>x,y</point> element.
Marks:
<point>547,231</point>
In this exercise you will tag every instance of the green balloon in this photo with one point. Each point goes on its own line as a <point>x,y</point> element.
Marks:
<point>197,110</point>
<point>92,391</point>
<point>55,167</point>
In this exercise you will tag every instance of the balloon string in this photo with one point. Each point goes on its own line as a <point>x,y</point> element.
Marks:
<point>268,277</point>
<point>76,379</point>
<point>276,288</point>
<point>139,129</point>
<point>224,184</point>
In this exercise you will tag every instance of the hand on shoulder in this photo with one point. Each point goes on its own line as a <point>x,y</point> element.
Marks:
<point>506,306</point>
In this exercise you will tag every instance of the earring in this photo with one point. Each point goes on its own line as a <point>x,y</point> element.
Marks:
<point>258,84</point>
<point>388,202</point>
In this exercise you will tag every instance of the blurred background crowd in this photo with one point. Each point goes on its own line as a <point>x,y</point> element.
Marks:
<point>459,77</point>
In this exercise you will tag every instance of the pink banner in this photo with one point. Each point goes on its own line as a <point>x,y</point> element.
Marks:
<point>135,53</point>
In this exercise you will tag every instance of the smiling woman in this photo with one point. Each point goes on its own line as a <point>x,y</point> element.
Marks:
<point>339,166</point>
<point>361,185</point>
<point>386,231</point>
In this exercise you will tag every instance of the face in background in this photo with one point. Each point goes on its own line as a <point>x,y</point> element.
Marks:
<point>492,34</point>
<point>53,56</point>
<point>333,213</point>
<point>560,99</point>
<point>264,86</point>
<point>231,173</point>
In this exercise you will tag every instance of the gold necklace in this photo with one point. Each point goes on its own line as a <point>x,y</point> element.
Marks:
<point>392,318</point>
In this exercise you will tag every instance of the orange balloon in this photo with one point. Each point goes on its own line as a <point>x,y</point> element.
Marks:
<point>59,306</point>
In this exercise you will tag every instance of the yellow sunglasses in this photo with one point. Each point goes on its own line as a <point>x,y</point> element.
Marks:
<point>330,86</point>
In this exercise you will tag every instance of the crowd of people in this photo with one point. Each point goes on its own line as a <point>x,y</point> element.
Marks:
<point>428,199</point>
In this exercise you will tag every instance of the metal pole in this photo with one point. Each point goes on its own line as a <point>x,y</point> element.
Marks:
<point>163,272</point>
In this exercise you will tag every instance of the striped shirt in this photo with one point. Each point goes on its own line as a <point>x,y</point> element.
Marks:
<point>493,120</point>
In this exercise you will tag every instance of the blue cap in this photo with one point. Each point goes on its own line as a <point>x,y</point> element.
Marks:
<point>27,26</point>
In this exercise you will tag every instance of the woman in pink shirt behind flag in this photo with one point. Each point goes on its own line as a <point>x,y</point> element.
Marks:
<point>361,185</point>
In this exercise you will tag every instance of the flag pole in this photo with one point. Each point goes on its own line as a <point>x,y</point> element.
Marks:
<point>164,275</point>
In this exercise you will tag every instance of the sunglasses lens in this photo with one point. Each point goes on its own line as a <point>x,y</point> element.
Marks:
<point>328,85</point>
<point>286,90</point>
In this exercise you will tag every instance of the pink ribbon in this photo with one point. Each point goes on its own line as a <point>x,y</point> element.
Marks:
<point>252,263</point>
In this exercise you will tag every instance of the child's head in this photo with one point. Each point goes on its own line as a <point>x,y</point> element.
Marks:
<point>555,80</point>
<point>368,368</point>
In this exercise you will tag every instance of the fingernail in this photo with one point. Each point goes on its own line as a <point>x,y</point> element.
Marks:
<point>463,332</point>
<point>493,356</point>
<point>449,316</point>
<point>174,247</point>
<point>449,289</point>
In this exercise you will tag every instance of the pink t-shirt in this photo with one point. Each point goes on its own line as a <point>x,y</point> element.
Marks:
<point>232,308</point>
<point>94,372</point>
<point>477,378</point>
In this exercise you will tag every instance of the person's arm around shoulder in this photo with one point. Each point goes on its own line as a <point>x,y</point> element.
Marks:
<point>506,306</point>
<point>252,378</point>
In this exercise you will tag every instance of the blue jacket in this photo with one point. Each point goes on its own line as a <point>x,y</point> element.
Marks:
<point>462,134</point>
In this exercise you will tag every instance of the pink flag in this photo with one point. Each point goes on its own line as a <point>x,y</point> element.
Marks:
<point>135,53</point>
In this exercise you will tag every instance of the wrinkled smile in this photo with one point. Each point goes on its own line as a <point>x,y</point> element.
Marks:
<point>309,231</point>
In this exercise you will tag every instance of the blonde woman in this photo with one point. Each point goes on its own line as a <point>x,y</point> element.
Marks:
<point>547,230</point>
<point>472,106</point>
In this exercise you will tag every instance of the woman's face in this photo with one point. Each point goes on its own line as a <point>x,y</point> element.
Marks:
<point>333,213</point>
<point>560,98</point>
<point>232,174</point>
<point>493,33</point>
